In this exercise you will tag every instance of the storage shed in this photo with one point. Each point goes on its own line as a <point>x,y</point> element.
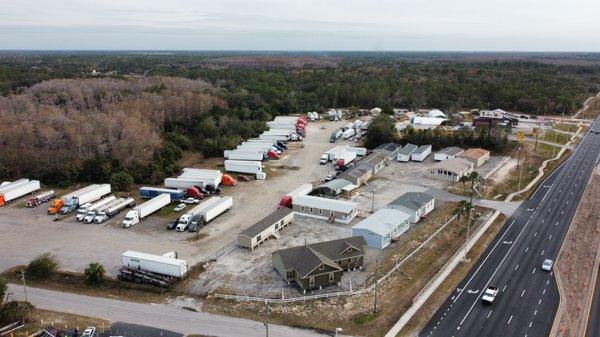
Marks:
<point>406,152</point>
<point>421,153</point>
<point>381,227</point>
<point>416,204</point>
<point>447,153</point>
<point>265,228</point>
<point>325,209</point>
<point>451,169</point>
<point>333,188</point>
<point>477,156</point>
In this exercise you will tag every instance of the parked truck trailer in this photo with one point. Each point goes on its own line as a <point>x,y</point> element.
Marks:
<point>18,190</point>
<point>84,212</point>
<point>113,210</point>
<point>41,198</point>
<point>72,202</point>
<point>140,212</point>
<point>151,192</point>
<point>160,270</point>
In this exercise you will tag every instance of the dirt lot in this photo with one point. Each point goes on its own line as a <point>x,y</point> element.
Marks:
<point>30,232</point>
<point>576,261</point>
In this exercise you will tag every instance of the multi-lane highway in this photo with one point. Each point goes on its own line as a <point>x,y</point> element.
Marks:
<point>528,298</point>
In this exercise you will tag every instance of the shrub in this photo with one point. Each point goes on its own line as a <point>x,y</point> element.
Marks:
<point>94,274</point>
<point>41,267</point>
<point>3,288</point>
<point>121,181</point>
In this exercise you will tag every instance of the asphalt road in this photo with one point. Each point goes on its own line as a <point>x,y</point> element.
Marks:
<point>593,325</point>
<point>527,300</point>
<point>151,315</point>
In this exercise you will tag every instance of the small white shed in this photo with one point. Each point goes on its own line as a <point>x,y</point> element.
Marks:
<point>421,153</point>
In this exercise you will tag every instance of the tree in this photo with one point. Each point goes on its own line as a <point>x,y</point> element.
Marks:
<point>41,267</point>
<point>463,207</point>
<point>94,274</point>
<point>381,130</point>
<point>121,181</point>
<point>3,288</point>
<point>463,179</point>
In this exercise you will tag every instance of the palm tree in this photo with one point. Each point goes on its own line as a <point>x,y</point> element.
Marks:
<point>463,180</point>
<point>463,207</point>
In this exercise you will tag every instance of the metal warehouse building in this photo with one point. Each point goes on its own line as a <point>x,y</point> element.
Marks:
<point>324,208</point>
<point>383,226</point>
<point>265,228</point>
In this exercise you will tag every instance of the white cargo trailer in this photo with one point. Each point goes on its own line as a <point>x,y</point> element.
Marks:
<point>159,264</point>
<point>349,133</point>
<point>346,156</point>
<point>18,190</point>
<point>262,141</point>
<point>242,166</point>
<point>84,196</point>
<point>243,155</point>
<point>303,189</point>
<point>272,137</point>
<point>187,182</point>
<point>258,148</point>
<point>139,212</point>
<point>9,185</point>
<point>209,179</point>
<point>216,208</point>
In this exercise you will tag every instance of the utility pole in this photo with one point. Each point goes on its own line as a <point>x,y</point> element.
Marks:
<point>376,284</point>
<point>373,202</point>
<point>519,165</point>
<point>554,147</point>
<point>537,135</point>
<point>25,293</point>
<point>266,323</point>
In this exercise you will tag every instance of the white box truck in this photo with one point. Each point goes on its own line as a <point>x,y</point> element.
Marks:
<point>139,212</point>
<point>242,166</point>
<point>18,190</point>
<point>161,270</point>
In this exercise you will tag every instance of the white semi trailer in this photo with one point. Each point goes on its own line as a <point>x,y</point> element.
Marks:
<point>161,270</point>
<point>18,190</point>
<point>243,166</point>
<point>82,212</point>
<point>140,212</point>
<point>89,194</point>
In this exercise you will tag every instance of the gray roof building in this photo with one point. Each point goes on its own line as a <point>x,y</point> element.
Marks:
<point>412,200</point>
<point>389,149</point>
<point>358,175</point>
<point>408,149</point>
<point>318,264</point>
<point>333,187</point>
<point>265,228</point>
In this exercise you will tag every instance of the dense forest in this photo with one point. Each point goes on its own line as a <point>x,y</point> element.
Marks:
<point>78,116</point>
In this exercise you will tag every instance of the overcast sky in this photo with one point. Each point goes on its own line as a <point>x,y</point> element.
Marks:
<point>461,25</point>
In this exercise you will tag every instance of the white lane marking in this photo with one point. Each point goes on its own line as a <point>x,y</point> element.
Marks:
<point>517,267</point>
<point>526,249</point>
<point>534,234</point>
<point>530,323</point>
<point>488,315</point>
<point>540,301</point>
<point>533,270</point>
<point>543,251</point>
<point>535,312</point>
<point>504,287</point>
<point>544,291</point>
<point>550,237</point>
<point>543,220</point>
<point>562,212</point>
<point>489,254</point>
<point>523,293</point>
<point>547,281</point>
<point>509,319</point>
<point>556,224</point>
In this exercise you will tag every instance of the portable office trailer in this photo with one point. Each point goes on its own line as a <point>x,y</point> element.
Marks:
<point>421,153</point>
<point>324,208</point>
<point>265,228</point>
<point>405,153</point>
<point>381,227</point>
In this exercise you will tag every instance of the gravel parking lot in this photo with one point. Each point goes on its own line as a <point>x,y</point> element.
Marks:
<point>27,233</point>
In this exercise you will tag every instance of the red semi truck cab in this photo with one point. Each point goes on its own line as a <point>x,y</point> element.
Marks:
<point>227,180</point>
<point>286,201</point>
<point>194,192</point>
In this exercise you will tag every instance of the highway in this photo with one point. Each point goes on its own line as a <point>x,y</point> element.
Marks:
<point>528,298</point>
<point>593,324</point>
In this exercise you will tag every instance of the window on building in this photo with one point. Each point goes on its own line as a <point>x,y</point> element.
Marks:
<point>277,226</point>
<point>311,281</point>
<point>320,211</point>
<point>290,274</point>
<point>331,277</point>
<point>258,238</point>
<point>311,209</point>
<point>302,208</point>
<point>321,267</point>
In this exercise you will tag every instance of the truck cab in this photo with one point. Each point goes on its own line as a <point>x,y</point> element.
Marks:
<point>55,206</point>
<point>81,213</point>
<point>69,206</point>
<point>89,217</point>
<point>324,159</point>
<point>489,295</point>
<point>100,217</point>
<point>131,218</point>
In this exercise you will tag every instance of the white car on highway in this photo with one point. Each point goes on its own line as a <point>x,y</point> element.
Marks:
<point>547,265</point>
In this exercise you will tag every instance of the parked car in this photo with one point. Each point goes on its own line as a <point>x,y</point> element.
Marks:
<point>172,224</point>
<point>191,201</point>
<point>179,207</point>
<point>213,190</point>
<point>90,331</point>
<point>329,177</point>
<point>70,333</point>
<point>547,265</point>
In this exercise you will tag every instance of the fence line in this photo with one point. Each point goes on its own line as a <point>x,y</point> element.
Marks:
<point>244,298</point>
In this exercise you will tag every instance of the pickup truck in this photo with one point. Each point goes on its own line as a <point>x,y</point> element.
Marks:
<point>489,295</point>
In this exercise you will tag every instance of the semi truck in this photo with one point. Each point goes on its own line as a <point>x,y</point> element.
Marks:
<point>151,192</point>
<point>140,212</point>
<point>41,198</point>
<point>15,191</point>
<point>161,270</point>
<point>344,158</point>
<point>349,133</point>
<point>212,210</point>
<point>242,166</point>
<point>335,135</point>
<point>186,219</point>
<point>57,203</point>
<point>102,209</point>
<point>113,210</point>
<point>73,201</point>
<point>84,212</point>
<point>286,199</point>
